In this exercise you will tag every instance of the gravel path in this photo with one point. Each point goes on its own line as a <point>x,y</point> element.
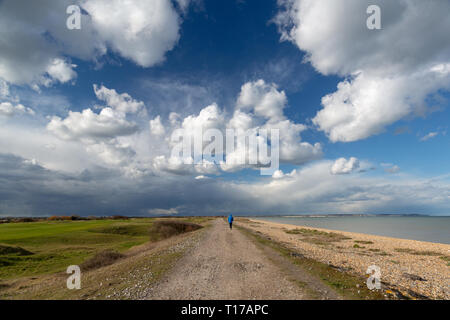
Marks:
<point>225,264</point>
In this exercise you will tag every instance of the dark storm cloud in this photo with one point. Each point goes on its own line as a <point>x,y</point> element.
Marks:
<point>29,189</point>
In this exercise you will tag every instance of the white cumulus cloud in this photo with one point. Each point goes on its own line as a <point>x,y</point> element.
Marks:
<point>390,72</point>
<point>344,166</point>
<point>429,136</point>
<point>8,109</point>
<point>120,102</point>
<point>142,31</point>
<point>35,42</point>
<point>89,125</point>
<point>61,70</point>
<point>264,99</point>
<point>259,106</point>
<point>156,127</point>
<point>104,134</point>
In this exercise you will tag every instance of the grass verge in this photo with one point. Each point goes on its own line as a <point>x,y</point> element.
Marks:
<point>316,236</point>
<point>417,252</point>
<point>363,242</point>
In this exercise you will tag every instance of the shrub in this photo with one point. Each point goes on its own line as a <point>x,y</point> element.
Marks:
<point>417,252</point>
<point>166,229</point>
<point>363,242</point>
<point>25,220</point>
<point>5,250</point>
<point>119,218</point>
<point>63,218</point>
<point>317,236</point>
<point>101,259</point>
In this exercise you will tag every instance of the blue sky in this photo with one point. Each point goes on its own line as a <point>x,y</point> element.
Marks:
<point>232,43</point>
<point>379,144</point>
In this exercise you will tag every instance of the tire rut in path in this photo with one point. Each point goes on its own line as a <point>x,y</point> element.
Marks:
<point>225,264</point>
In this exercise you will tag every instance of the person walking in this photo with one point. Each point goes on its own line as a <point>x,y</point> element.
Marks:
<point>230,221</point>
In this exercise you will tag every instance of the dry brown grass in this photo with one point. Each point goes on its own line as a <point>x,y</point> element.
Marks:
<point>317,237</point>
<point>363,242</point>
<point>165,229</point>
<point>101,259</point>
<point>417,252</point>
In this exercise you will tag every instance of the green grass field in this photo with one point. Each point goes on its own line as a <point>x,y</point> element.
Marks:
<point>57,244</point>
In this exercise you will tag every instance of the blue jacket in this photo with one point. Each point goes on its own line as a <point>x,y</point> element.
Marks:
<point>230,218</point>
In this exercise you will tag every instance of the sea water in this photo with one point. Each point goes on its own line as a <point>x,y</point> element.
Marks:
<point>432,229</point>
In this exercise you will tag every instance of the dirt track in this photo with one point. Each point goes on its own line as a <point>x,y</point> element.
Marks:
<point>226,264</point>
